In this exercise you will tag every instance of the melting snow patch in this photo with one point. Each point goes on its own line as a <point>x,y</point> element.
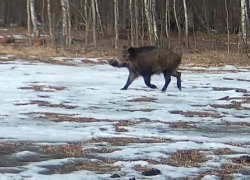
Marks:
<point>103,110</point>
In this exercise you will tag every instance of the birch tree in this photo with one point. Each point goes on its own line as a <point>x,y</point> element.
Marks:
<point>64,21</point>
<point>136,23</point>
<point>86,22</point>
<point>167,19</point>
<point>228,33</point>
<point>153,17</point>
<point>69,24</point>
<point>146,5</point>
<point>99,16</point>
<point>186,23</point>
<point>152,26</point>
<point>243,20</point>
<point>28,20</point>
<point>34,19</point>
<point>116,17</point>
<point>176,20</point>
<point>131,22</point>
<point>94,21</point>
<point>50,22</point>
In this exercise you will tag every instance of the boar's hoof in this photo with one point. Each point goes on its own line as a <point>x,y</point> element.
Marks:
<point>124,88</point>
<point>179,87</point>
<point>153,86</point>
<point>163,89</point>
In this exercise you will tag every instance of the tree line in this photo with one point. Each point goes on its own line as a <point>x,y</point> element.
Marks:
<point>139,22</point>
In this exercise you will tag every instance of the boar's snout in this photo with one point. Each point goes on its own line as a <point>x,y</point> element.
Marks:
<point>113,62</point>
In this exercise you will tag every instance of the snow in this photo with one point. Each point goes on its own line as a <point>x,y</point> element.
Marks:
<point>75,60</point>
<point>99,86</point>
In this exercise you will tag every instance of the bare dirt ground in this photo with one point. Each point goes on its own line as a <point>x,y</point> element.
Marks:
<point>199,132</point>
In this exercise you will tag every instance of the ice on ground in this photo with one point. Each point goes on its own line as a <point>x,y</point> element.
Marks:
<point>95,91</point>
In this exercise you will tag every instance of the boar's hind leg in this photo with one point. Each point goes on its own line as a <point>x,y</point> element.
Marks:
<point>167,77</point>
<point>131,78</point>
<point>147,78</point>
<point>178,76</point>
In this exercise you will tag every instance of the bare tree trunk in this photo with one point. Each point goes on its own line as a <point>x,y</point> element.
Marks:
<point>64,21</point>
<point>243,20</point>
<point>131,22</point>
<point>28,20</point>
<point>176,20</point>
<point>186,23</point>
<point>136,23</point>
<point>168,23</point>
<point>86,23</point>
<point>124,20</point>
<point>69,24</point>
<point>146,5</point>
<point>3,11</point>
<point>116,13</point>
<point>228,33</point>
<point>167,17</point>
<point>99,16</point>
<point>94,22</point>
<point>43,24</point>
<point>156,38</point>
<point>142,23</point>
<point>34,19</point>
<point>50,23</point>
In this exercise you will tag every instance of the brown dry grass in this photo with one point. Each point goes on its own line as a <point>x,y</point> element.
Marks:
<point>102,150</point>
<point>225,172</point>
<point>187,158</point>
<point>47,104</point>
<point>227,106</point>
<point>244,160</point>
<point>8,148</point>
<point>41,88</point>
<point>64,117</point>
<point>192,160</point>
<point>197,114</point>
<point>67,150</point>
<point>228,123</point>
<point>143,99</point>
<point>224,151</point>
<point>211,58</point>
<point>182,125</point>
<point>229,89</point>
<point>200,55</point>
<point>203,59</point>
<point>120,141</point>
<point>239,144</point>
<point>58,117</point>
<point>143,110</point>
<point>97,167</point>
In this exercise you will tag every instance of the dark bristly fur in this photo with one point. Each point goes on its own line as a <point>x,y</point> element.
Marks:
<point>146,61</point>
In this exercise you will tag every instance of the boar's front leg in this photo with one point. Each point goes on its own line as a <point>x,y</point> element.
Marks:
<point>167,77</point>
<point>147,78</point>
<point>131,78</point>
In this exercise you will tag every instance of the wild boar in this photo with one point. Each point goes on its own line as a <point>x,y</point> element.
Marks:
<point>146,61</point>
